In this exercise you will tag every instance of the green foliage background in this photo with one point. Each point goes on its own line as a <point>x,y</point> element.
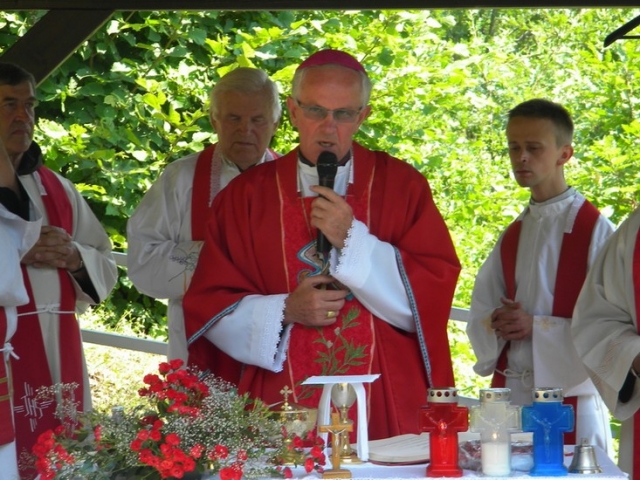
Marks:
<point>133,98</point>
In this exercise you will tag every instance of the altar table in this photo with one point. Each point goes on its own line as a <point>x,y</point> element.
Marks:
<point>610,471</point>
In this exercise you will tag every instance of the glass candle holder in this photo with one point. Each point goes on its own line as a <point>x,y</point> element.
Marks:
<point>495,419</point>
<point>548,419</point>
<point>443,419</point>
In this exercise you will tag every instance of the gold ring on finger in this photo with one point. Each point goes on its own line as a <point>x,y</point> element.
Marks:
<point>331,313</point>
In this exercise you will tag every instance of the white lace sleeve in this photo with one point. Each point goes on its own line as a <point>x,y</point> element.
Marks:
<point>369,267</point>
<point>253,332</point>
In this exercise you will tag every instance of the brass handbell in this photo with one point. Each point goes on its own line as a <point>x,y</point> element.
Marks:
<point>584,459</point>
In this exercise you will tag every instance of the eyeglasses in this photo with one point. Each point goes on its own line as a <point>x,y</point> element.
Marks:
<point>340,115</point>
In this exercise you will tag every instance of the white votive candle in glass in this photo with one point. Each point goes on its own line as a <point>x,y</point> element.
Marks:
<point>496,459</point>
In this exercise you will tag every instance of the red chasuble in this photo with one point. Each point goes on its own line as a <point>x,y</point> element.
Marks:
<point>206,185</point>
<point>204,190</point>
<point>570,275</point>
<point>260,242</point>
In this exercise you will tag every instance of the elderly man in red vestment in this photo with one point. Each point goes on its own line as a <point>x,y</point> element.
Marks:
<point>263,312</point>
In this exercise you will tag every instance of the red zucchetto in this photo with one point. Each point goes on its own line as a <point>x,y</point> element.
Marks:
<point>332,57</point>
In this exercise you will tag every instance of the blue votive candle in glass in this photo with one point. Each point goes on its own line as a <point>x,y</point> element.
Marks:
<point>548,419</point>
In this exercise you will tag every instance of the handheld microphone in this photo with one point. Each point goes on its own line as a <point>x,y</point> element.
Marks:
<point>327,166</point>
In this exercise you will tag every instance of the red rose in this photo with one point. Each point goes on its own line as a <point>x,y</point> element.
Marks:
<point>221,451</point>
<point>172,439</point>
<point>196,451</point>
<point>309,464</point>
<point>136,445</point>
<point>227,473</point>
<point>164,368</point>
<point>297,442</point>
<point>176,363</point>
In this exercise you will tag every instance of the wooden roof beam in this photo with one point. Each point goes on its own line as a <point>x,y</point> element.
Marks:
<point>132,5</point>
<point>53,39</point>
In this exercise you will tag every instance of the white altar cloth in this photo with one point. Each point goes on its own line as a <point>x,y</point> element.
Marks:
<point>370,471</point>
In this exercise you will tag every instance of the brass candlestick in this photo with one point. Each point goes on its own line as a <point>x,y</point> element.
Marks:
<point>343,396</point>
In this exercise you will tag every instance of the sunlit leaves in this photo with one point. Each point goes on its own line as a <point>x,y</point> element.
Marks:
<point>134,98</point>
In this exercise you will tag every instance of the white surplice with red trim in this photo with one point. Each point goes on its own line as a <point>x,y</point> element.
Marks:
<point>605,330</point>
<point>94,246</point>
<point>535,361</point>
<point>163,254</point>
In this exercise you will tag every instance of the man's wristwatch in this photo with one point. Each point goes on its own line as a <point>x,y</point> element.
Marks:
<point>77,270</point>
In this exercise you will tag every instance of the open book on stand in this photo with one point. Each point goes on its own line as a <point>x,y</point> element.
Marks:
<point>402,449</point>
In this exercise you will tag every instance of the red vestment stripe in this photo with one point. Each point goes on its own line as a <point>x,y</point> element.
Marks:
<point>508,255</point>
<point>201,193</point>
<point>32,371</point>
<point>636,291</point>
<point>7,433</point>
<point>574,261</point>
<point>570,275</point>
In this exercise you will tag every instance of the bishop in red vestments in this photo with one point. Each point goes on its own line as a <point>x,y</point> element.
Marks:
<point>272,313</point>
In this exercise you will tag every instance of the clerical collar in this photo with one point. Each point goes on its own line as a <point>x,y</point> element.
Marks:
<point>31,160</point>
<point>570,191</point>
<point>341,163</point>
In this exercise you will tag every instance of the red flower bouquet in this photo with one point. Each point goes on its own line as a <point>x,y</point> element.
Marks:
<point>186,423</point>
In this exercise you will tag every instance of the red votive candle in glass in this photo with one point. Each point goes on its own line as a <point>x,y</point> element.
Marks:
<point>443,419</point>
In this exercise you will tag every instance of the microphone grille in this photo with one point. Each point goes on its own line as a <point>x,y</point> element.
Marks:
<point>327,164</point>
